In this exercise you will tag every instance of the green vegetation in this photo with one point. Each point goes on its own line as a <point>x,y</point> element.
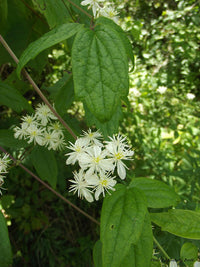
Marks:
<point>159,116</point>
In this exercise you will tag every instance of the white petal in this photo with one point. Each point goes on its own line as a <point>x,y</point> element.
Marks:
<point>121,170</point>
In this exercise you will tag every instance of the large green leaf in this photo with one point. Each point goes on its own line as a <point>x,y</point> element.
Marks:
<point>5,247</point>
<point>184,223</point>
<point>45,164</point>
<point>158,194</point>
<point>140,255</point>
<point>49,39</point>
<point>7,139</point>
<point>122,220</point>
<point>11,98</point>
<point>100,69</point>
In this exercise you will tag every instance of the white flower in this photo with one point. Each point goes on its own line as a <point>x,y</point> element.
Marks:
<point>135,92</point>
<point>102,183</point>
<point>35,134</point>
<point>1,182</point>
<point>81,186</point>
<point>20,132</point>
<point>196,264</point>
<point>4,163</point>
<point>92,137</point>
<point>53,140</point>
<point>110,13</point>
<point>78,148</point>
<point>162,89</point>
<point>57,127</point>
<point>190,96</point>
<point>173,263</point>
<point>94,160</point>
<point>94,4</point>
<point>119,150</point>
<point>28,120</point>
<point>44,114</point>
<point>118,141</point>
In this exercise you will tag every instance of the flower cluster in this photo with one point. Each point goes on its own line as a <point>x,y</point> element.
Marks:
<point>4,161</point>
<point>97,161</point>
<point>101,8</point>
<point>41,128</point>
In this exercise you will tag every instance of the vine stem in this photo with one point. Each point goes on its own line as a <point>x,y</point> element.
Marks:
<point>161,248</point>
<point>78,7</point>
<point>42,96</point>
<point>49,187</point>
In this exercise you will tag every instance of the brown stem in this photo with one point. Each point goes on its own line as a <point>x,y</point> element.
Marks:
<point>78,7</point>
<point>37,88</point>
<point>50,188</point>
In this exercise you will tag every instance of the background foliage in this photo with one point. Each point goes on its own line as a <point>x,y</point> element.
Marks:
<point>160,120</point>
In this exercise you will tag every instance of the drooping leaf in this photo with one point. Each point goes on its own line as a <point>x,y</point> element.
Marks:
<point>49,39</point>
<point>62,93</point>
<point>7,139</point>
<point>189,253</point>
<point>158,194</point>
<point>12,98</point>
<point>45,164</point>
<point>122,220</point>
<point>5,247</point>
<point>100,69</point>
<point>97,254</point>
<point>140,254</point>
<point>184,223</point>
<point>65,96</point>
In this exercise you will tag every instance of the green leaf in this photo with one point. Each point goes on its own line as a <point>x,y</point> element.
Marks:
<point>107,128</point>
<point>189,253</point>
<point>140,254</point>
<point>62,93</point>
<point>100,69</point>
<point>3,11</point>
<point>7,139</point>
<point>123,36</point>
<point>122,219</point>
<point>5,247</point>
<point>97,254</point>
<point>184,223</point>
<point>45,164</point>
<point>11,98</point>
<point>49,39</point>
<point>55,12</point>
<point>65,96</point>
<point>158,194</point>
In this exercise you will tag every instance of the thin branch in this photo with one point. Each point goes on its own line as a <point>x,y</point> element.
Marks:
<point>78,7</point>
<point>161,248</point>
<point>50,188</point>
<point>37,88</point>
<point>32,10</point>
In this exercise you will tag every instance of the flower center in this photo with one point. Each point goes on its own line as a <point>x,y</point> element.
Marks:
<point>119,155</point>
<point>104,183</point>
<point>91,135</point>
<point>34,133</point>
<point>78,149</point>
<point>97,159</point>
